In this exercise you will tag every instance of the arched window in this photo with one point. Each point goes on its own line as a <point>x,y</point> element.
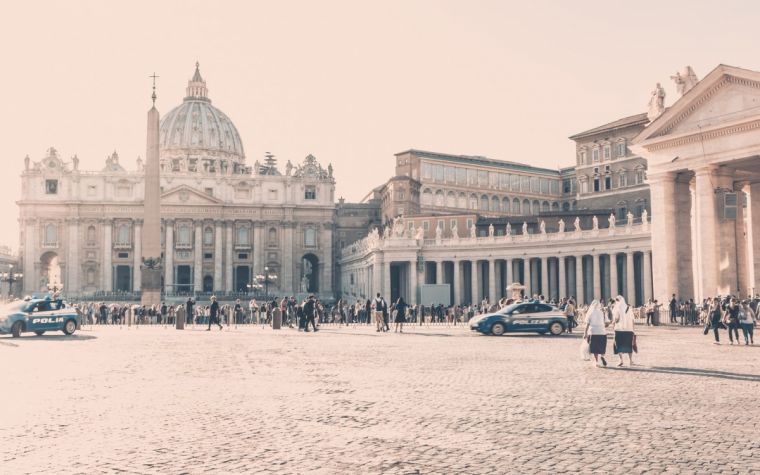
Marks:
<point>505,205</point>
<point>462,201</point>
<point>555,206</point>
<point>184,235</point>
<point>526,207</point>
<point>473,202</point>
<point>565,206</point>
<point>536,207</point>
<point>427,197</point>
<point>51,234</point>
<point>451,200</point>
<point>208,236</point>
<point>439,198</point>
<point>272,236</point>
<point>545,206</point>
<point>484,203</point>
<point>91,234</point>
<point>495,204</point>
<point>122,234</point>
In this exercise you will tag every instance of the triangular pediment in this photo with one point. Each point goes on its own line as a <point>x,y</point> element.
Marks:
<point>185,195</point>
<point>725,96</point>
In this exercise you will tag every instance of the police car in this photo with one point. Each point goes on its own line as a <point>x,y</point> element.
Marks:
<point>526,317</point>
<point>38,316</point>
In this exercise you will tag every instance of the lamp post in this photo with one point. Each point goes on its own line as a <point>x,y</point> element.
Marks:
<point>55,287</point>
<point>255,287</point>
<point>10,277</point>
<point>265,279</point>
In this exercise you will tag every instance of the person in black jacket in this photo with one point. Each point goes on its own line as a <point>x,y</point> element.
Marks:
<point>189,310</point>
<point>309,308</point>
<point>214,313</point>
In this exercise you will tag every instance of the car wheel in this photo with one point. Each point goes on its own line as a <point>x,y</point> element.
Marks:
<point>556,328</point>
<point>16,329</point>
<point>69,327</point>
<point>39,332</point>
<point>497,329</point>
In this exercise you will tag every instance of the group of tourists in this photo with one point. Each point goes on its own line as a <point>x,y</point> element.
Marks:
<point>728,313</point>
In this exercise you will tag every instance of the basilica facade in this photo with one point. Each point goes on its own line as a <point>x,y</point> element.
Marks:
<point>224,221</point>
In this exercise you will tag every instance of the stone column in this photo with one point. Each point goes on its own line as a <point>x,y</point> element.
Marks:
<point>664,234</point>
<point>230,229</point>
<point>579,284</point>
<point>753,236</point>
<point>630,297</point>
<point>198,257</point>
<point>386,292</point>
<point>492,281</point>
<point>545,276</point>
<point>457,283</point>
<point>439,272</point>
<point>646,269</point>
<point>706,233</point>
<point>507,276</point>
<point>377,276</point>
<point>528,277</point>
<point>74,263</point>
<point>327,243</point>
<point>31,255</point>
<point>562,281</point>
<point>169,255</point>
<point>107,281</point>
<point>596,277</point>
<point>137,261</point>
<point>218,256</point>
<point>286,284</point>
<point>614,276</point>
<point>258,256</point>
<point>412,297</point>
<point>474,282</point>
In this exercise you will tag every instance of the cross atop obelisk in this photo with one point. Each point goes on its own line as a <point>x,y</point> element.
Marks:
<point>154,88</point>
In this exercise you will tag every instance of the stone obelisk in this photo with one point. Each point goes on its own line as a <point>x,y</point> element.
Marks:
<point>150,286</point>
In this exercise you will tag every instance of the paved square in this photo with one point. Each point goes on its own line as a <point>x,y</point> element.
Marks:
<point>345,400</point>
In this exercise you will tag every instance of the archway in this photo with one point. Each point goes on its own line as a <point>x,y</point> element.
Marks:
<point>309,273</point>
<point>50,271</point>
<point>208,283</point>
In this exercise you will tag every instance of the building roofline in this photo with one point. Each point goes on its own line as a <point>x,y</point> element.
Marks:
<point>631,120</point>
<point>479,160</point>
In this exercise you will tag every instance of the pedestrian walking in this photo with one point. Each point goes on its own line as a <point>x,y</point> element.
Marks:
<point>214,314</point>
<point>625,338</point>
<point>377,306</point>
<point>596,332</point>
<point>570,314</point>
<point>731,320</point>
<point>400,315</point>
<point>309,309</point>
<point>747,323</point>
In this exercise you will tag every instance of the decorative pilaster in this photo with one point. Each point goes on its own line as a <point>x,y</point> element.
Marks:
<point>73,284</point>
<point>137,255</point>
<point>545,276</point>
<point>169,255</point>
<point>614,276</point>
<point>579,287</point>
<point>107,281</point>
<point>597,277</point>
<point>630,297</point>
<point>218,238</point>
<point>562,281</point>
<point>492,281</point>
<point>198,257</point>
<point>457,282</point>
<point>230,228</point>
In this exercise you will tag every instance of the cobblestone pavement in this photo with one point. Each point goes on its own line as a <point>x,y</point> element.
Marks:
<point>346,400</point>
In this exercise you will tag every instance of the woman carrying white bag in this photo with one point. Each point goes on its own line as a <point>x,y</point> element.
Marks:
<point>625,338</point>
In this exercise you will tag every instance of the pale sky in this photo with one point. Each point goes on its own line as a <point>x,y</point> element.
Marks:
<point>352,82</point>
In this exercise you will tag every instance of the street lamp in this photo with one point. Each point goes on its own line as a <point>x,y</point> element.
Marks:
<point>255,287</point>
<point>265,280</point>
<point>55,288</point>
<point>10,277</point>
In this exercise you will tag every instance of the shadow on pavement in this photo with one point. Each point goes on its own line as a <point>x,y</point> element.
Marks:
<point>710,373</point>
<point>61,337</point>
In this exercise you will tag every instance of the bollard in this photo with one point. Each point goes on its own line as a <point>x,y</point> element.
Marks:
<point>179,318</point>
<point>276,319</point>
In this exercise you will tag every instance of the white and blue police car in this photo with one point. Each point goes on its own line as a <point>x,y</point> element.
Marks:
<point>38,315</point>
<point>521,317</point>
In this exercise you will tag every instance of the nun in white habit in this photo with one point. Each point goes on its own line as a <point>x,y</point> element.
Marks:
<point>596,332</point>
<point>622,321</point>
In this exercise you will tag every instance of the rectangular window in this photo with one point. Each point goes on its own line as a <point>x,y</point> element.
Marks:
<point>438,172</point>
<point>503,181</point>
<point>482,178</point>
<point>583,158</point>
<point>493,179</point>
<point>427,171</point>
<point>243,255</point>
<point>310,192</point>
<point>309,237</point>
<point>425,225</point>
<point>554,187</point>
<point>515,182</point>
<point>596,184</point>
<point>623,180</point>
<point>440,224</point>
<point>453,223</point>
<point>544,186</point>
<point>525,183</point>
<point>608,182</point>
<point>534,184</point>
<point>51,187</point>
<point>208,255</point>
<point>400,195</point>
<point>606,152</point>
<point>595,155</point>
<point>451,174</point>
<point>566,187</point>
<point>461,176</point>
<point>123,255</point>
<point>469,223</point>
<point>472,177</point>
<point>621,149</point>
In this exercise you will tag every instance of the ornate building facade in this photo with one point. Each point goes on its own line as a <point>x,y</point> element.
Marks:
<point>223,221</point>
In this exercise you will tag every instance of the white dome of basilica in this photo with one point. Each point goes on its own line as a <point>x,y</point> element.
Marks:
<point>197,130</point>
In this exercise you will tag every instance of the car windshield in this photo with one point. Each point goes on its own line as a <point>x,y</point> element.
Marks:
<point>510,308</point>
<point>13,307</point>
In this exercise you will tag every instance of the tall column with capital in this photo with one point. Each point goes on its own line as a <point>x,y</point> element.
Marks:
<point>198,257</point>
<point>327,243</point>
<point>107,282</point>
<point>218,256</point>
<point>706,233</point>
<point>169,255</point>
<point>562,278</point>
<point>457,283</point>
<point>439,272</point>
<point>664,234</point>
<point>230,229</point>
<point>545,276</point>
<point>137,261</point>
<point>579,284</point>
<point>492,281</point>
<point>646,269</point>
<point>753,237</point>
<point>474,286</point>
<point>412,297</point>
<point>507,276</point>
<point>614,277</point>
<point>286,285</point>
<point>630,279</point>
<point>258,248</point>
<point>376,278</point>
<point>528,271</point>
<point>73,265</point>
<point>386,292</point>
<point>31,254</point>
<point>596,277</point>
